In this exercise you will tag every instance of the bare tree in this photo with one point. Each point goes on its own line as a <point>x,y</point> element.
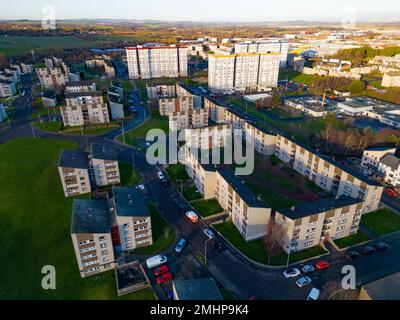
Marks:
<point>275,239</point>
<point>334,291</point>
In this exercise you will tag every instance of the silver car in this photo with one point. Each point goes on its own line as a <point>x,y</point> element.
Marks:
<point>303,281</point>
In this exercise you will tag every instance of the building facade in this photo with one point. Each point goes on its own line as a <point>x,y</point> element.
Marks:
<point>147,62</point>
<point>160,90</point>
<point>190,119</point>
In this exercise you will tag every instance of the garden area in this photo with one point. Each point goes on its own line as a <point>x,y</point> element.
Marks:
<point>352,240</point>
<point>129,176</point>
<point>207,208</point>
<point>34,193</point>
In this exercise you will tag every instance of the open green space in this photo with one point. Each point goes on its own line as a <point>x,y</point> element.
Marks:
<point>140,132</point>
<point>129,176</point>
<point>163,234</point>
<point>382,221</point>
<point>36,225</point>
<point>91,131</point>
<point>308,79</point>
<point>177,172</point>
<point>255,249</point>
<point>352,240</point>
<point>309,253</point>
<point>49,126</point>
<point>207,207</point>
<point>191,193</point>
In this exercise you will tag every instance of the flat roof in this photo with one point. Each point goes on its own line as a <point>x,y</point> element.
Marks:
<point>197,289</point>
<point>90,216</point>
<point>129,202</point>
<point>83,94</point>
<point>391,161</point>
<point>74,159</point>
<point>240,187</point>
<point>79,83</point>
<point>104,152</point>
<point>310,208</point>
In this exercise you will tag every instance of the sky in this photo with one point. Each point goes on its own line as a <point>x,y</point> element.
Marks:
<point>207,10</point>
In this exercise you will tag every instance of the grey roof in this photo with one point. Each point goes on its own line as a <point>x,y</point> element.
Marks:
<point>129,202</point>
<point>387,288</point>
<point>240,188</point>
<point>309,208</point>
<point>83,94</point>
<point>74,159</point>
<point>104,152</point>
<point>90,216</point>
<point>391,161</point>
<point>79,83</point>
<point>197,289</point>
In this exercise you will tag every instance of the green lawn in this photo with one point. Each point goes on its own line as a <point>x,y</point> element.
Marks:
<point>255,250</point>
<point>141,131</point>
<point>177,172</point>
<point>51,126</point>
<point>92,131</point>
<point>35,227</point>
<point>308,79</point>
<point>129,176</point>
<point>352,240</point>
<point>382,221</point>
<point>309,253</point>
<point>207,207</point>
<point>191,193</point>
<point>163,235</point>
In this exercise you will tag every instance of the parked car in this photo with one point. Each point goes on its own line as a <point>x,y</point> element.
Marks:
<point>303,281</point>
<point>314,294</point>
<point>209,234</point>
<point>320,265</point>
<point>352,255</point>
<point>381,246</point>
<point>192,216</point>
<point>156,261</point>
<point>391,193</point>
<point>160,175</point>
<point>164,278</point>
<point>366,172</point>
<point>180,245</point>
<point>291,273</point>
<point>368,250</point>
<point>307,268</point>
<point>161,270</point>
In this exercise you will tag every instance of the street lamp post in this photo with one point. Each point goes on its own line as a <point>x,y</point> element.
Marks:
<point>181,186</point>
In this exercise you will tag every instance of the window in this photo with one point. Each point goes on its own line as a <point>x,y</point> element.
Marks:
<point>104,252</point>
<point>103,245</point>
<point>103,238</point>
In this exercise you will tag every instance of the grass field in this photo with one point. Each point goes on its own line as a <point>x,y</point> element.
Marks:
<point>177,172</point>
<point>382,221</point>
<point>163,235</point>
<point>207,207</point>
<point>129,176</point>
<point>92,131</point>
<point>255,250</point>
<point>191,193</point>
<point>309,253</point>
<point>141,131</point>
<point>50,126</point>
<point>17,45</point>
<point>308,79</point>
<point>35,227</point>
<point>352,240</point>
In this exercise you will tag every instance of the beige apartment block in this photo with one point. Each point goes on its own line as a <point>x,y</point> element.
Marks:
<point>104,162</point>
<point>91,236</point>
<point>249,214</point>
<point>171,105</point>
<point>51,78</point>
<point>372,157</point>
<point>84,108</point>
<point>306,225</point>
<point>147,62</point>
<point>389,169</point>
<point>73,168</point>
<point>132,217</point>
<point>188,119</point>
<point>210,137</point>
<point>391,79</point>
<point>161,90</point>
<point>328,174</point>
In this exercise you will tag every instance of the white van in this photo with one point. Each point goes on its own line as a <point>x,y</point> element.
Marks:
<point>156,261</point>
<point>313,295</point>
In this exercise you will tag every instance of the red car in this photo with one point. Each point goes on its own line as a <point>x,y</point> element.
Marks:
<point>161,270</point>
<point>164,278</point>
<point>322,265</point>
<point>392,193</point>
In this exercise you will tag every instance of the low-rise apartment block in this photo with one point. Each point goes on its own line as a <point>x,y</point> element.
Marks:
<point>210,137</point>
<point>189,119</point>
<point>7,88</point>
<point>52,78</point>
<point>132,217</point>
<point>91,236</point>
<point>391,79</point>
<point>160,90</point>
<point>84,108</point>
<point>372,157</point>
<point>147,62</point>
<point>389,169</point>
<point>73,168</point>
<point>104,162</point>
<point>305,225</point>
<point>328,174</point>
